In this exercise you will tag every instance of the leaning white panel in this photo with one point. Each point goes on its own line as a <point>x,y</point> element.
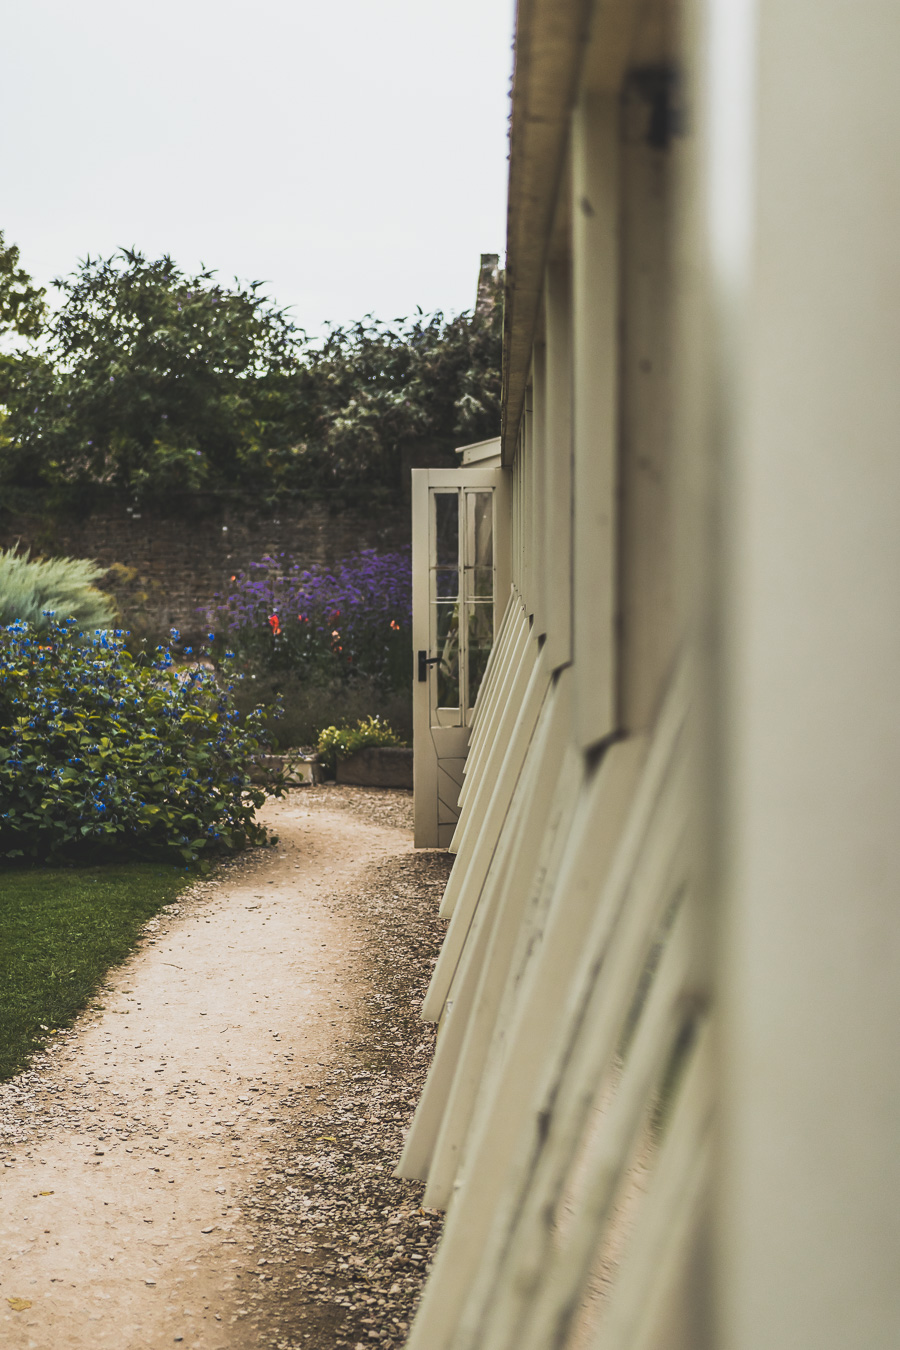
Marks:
<point>430,1117</point>
<point>487,769</point>
<point>494,662</point>
<point>473,862</point>
<point>484,742</point>
<point>660,1247</point>
<point>545,1313</point>
<point>627,922</point>
<point>477,990</point>
<point>502,1128</point>
<point>610,826</point>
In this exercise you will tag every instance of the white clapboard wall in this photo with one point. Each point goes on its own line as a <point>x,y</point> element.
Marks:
<point>664,1104</point>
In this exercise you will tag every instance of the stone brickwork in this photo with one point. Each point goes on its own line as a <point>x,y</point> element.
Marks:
<point>165,567</point>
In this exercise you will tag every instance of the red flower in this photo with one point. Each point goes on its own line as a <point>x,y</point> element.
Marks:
<point>395,625</point>
<point>274,624</point>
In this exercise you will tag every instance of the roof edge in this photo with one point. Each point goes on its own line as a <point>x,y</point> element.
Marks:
<point>550,42</point>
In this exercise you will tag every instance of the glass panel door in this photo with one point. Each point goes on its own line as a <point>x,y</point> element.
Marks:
<point>462,591</point>
<point>460,582</point>
<point>479,589</point>
<point>445,597</point>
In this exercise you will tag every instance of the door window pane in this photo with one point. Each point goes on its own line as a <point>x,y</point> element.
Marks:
<point>462,597</point>
<point>447,649</point>
<point>481,583</point>
<point>480,523</point>
<point>479,593</point>
<point>446,521</point>
<point>446,545</point>
<point>446,583</point>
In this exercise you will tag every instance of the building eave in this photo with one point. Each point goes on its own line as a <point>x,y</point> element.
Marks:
<point>550,42</point>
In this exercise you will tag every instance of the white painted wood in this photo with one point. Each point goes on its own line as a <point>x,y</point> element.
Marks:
<point>476,993</point>
<point>473,859</point>
<point>557,475</point>
<point>805,283</point>
<point>532,1023</point>
<point>595,324</point>
<point>494,751</point>
<point>505,875</point>
<point>567,861</point>
<point>484,735</point>
<point>500,1136</point>
<point>538,488</point>
<point>644,1302</point>
<point>642,879</point>
<point>486,454</point>
<point>509,666</point>
<point>496,656</point>
<point>424,758</point>
<point>516,625</point>
<point>525,461</point>
<point>545,1313</point>
<point>646,546</point>
<point>779,524</point>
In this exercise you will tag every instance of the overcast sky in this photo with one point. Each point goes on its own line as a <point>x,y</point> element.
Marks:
<point>351,153</point>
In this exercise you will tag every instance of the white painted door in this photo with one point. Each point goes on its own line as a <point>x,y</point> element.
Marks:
<point>460,588</point>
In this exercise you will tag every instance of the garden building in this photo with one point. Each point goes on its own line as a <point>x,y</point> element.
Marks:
<point>657,717</point>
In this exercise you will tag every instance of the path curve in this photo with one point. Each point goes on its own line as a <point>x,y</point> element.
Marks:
<point>120,1216</point>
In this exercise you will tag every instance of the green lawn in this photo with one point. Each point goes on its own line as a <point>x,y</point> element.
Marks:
<point>60,931</point>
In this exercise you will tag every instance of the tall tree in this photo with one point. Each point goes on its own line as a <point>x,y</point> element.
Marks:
<point>153,380</point>
<point>22,306</point>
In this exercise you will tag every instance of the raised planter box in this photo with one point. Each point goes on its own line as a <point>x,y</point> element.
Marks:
<point>298,770</point>
<point>386,766</point>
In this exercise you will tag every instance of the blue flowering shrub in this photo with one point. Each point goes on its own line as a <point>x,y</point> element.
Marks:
<point>105,754</point>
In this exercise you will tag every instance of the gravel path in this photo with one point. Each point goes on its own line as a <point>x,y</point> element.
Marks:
<point>206,1158</point>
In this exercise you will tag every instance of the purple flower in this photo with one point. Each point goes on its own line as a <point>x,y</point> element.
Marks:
<point>366,600</point>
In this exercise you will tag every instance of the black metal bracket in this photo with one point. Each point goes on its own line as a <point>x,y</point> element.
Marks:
<point>424,662</point>
<point>660,87</point>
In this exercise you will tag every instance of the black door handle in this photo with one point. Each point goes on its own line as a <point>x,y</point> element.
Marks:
<point>424,662</point>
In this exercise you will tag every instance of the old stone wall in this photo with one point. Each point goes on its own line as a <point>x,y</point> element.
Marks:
<point>165,569</point>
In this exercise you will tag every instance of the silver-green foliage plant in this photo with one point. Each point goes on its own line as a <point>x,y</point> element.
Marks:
<point>37,591</point>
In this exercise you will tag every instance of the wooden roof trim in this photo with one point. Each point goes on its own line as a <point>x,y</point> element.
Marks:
<point>562,48</point>
<point>551,37</point>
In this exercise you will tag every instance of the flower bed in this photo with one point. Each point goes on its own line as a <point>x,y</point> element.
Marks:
<point>355,619</point>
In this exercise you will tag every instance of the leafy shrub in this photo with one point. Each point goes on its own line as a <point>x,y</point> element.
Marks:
<point>103,754</point>
<point>306,706</point>
<point>33,592</point>
<point>324,624</point>
<point>338,742</point>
